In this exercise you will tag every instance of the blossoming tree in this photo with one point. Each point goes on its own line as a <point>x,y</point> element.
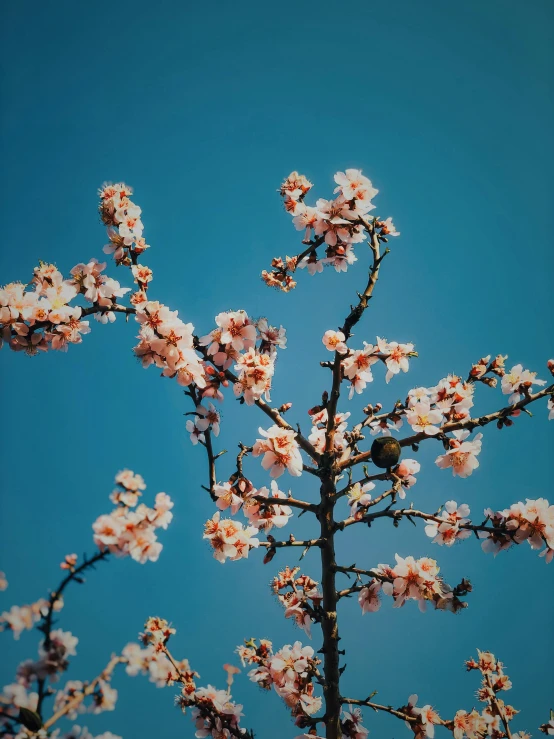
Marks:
<point>360,483</point>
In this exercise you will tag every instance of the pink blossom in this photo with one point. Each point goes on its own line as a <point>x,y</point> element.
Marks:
<point>462,456</point>
<point>359,497</point>
<point>422,419</point>
<point>334,341</point>
<point>196,433</point>
<point>280,451</point>
<point>396,356</point>
<point>369,597</point>
<point>236,329</point>
<point>518,382</point>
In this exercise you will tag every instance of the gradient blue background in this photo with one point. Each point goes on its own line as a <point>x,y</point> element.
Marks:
<point>204,110</point>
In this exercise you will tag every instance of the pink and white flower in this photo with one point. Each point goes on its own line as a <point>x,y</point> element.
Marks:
<point>462,455</point>
<point>280,451</point>
<point>423,419</point>
<point>334,341</point>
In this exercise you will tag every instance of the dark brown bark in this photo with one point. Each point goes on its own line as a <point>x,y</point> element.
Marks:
<point>329,624</point>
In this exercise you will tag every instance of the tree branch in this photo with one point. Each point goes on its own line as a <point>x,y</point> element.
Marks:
<point>88,690</point>
<point>46,624</point>
<point>469,423</point>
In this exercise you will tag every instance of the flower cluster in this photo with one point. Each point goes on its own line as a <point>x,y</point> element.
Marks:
<point>239,493</point>
<point>280,451</point>
<point>130,530</point>
<point>448,530</point>
<point>359,498</point>
<point>299,596</point>
<point>234,341</point>
<point>493,720</point>
<point>351,725</point>
<point>146,659</point>
<point>24,618</point>
<point>52,661</point>
<point>230,539</point>
<point>205,419</point>
<point>255,371</point>
<point>425,718</point>
<point>235,332</point>
<point>168,343</point>
<point>356,366</point>
<point>406,471</point>
<point>461,455</point>
<point>412,579</point>
<point>428,408</point>
<point>336,224</point>
<point>317,437</point>
<point>384,424</point>
<point>359,494</point>
<point>517,383</point>
<point>122,218</point>
<point>103,697</point>
<point>532,521</point>
<point>290,671</point>
<point>39,316</point>
<point>213,712</point>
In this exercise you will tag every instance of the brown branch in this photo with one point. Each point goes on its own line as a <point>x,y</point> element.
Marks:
<point>378,707</point>
<point>272,413</point>
<point>292,502</point>
<point>468,423</point>
<point>307,543</point>
<point>393,711</point>
<point>212,476</point>
<point>277,418</point>
<point>495,704</point>
<point>357,311</point>
<point>312,247</point>
<point>329,469</point>
<point>88,690</point>
<point>359,573</point>
<point>351,320</point>
<point>398,513</point>
<point>9,717</point>
<point>204,705</point>
<point>368,478</point>
<point>91,310</point>
<point>46,624</point>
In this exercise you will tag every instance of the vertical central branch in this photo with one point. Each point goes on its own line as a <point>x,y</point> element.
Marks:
<point>329,622</point>
<point>329,470</point>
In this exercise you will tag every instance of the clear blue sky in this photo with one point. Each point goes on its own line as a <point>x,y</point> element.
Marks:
<point>203,109</point>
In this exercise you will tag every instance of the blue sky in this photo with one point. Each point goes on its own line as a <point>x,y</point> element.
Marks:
<point>204,110</point>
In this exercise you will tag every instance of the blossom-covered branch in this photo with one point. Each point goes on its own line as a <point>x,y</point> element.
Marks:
<point>503,417</point>
<point>493,720</point>
<point>240,353</point>
<point>213,711</point>
<point>130,530</point>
